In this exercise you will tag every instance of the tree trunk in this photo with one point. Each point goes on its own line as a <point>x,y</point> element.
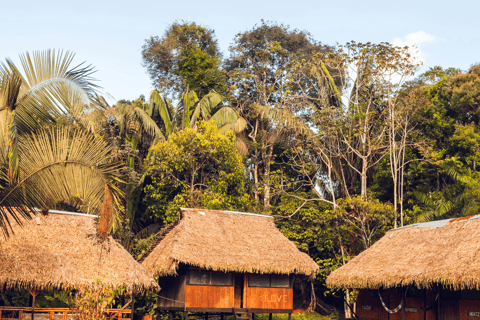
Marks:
<point>266,177</point>
<point>255,175</point>
<point>364,179</point>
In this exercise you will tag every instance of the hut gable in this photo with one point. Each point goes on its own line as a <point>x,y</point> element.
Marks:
<point>442,252</point>
<point>58,251</point>
<point>227,241</point>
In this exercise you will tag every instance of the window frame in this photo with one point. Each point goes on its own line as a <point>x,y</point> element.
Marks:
<point>290,281</point>
<point>209,284</point>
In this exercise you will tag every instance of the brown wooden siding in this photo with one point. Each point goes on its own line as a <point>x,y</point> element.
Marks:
<point>269,298</point>
<point>366,301</point>
<point>466,306</point>
<point>172,293</point>
<point>209,296</point>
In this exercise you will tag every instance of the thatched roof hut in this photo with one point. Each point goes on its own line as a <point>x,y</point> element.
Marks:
<point>442,252</point>
<point>226,241</point>
<point>59,251</point>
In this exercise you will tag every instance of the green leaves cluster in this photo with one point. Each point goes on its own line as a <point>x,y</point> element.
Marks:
<point>195,168</point>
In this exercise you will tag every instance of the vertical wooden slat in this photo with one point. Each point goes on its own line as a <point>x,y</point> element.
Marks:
<point>185,315</point>
<point>64,315</point>
<point>20,314</point>
<point>52,315</point>
<point>245,288</point>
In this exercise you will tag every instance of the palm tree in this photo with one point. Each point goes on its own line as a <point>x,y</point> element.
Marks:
<point>190,109</point>
<point>42,163</point>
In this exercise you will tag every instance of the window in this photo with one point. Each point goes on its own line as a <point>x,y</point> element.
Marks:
<point>279,281</point>
<point>210,278</point>
<point>221,279</point>
<point>259,280</point>
<point>199,277</point>
<point>269,280</point>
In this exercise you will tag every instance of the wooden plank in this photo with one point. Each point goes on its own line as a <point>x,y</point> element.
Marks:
<point>368,305</point>
<point>209,297</point>
<point>245,287</point>
<point>269,298</point>
<point>466,306</point>
<point>52,315</point>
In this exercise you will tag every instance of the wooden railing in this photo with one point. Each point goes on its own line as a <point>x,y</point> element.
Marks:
<point>60,313</point>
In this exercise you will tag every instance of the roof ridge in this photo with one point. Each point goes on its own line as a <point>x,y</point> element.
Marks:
<point>437,223</point>
<point>161,235</point>
<point>230,212</point>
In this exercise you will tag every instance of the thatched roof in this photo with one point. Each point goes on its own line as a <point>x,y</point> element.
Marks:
<point>56,251</point>
<point>443,252</point>
<point>227,241</point>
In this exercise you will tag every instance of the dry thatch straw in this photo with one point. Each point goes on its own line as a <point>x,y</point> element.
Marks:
<point>443,252</point>
<point>226,241</point>
<point>56,251</point>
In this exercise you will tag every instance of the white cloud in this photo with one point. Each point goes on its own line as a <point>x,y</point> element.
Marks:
<point>414,41</point>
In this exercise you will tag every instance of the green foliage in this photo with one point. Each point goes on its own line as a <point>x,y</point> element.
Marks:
<point>186,56</point>
<point>364,220</point>
<point>195,168</point>
<point>201,72</point>
<point>93,302</point>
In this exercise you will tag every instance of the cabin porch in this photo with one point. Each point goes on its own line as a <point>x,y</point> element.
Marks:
<point>436,303</point>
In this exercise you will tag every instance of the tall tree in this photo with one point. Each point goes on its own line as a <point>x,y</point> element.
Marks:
<point>258,76</point>
<point>186,56</point>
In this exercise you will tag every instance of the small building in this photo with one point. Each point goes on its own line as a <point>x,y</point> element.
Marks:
<point>226,262</point>
<point>424,271</point>
<point>59,251</point>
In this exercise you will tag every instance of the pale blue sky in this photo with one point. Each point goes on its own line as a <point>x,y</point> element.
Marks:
<point>110,34</point>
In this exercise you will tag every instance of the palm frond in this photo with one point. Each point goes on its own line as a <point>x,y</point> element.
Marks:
<point>59,164</point>
<point>148,124</point>
<point>50,88</point>
<point>283,117</point>
<point>228,119</point>
<point>205,106</point>
<point>187,107</point>
<point>163,110</point>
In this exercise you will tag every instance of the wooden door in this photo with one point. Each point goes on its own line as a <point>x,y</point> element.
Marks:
<point>238,291</point>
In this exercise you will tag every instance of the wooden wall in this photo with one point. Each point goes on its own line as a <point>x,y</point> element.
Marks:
<point>466,306</point>
<point>209,296</point>
<point>269,298</point>
<point>172,293</point>
<point>370,307</point>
